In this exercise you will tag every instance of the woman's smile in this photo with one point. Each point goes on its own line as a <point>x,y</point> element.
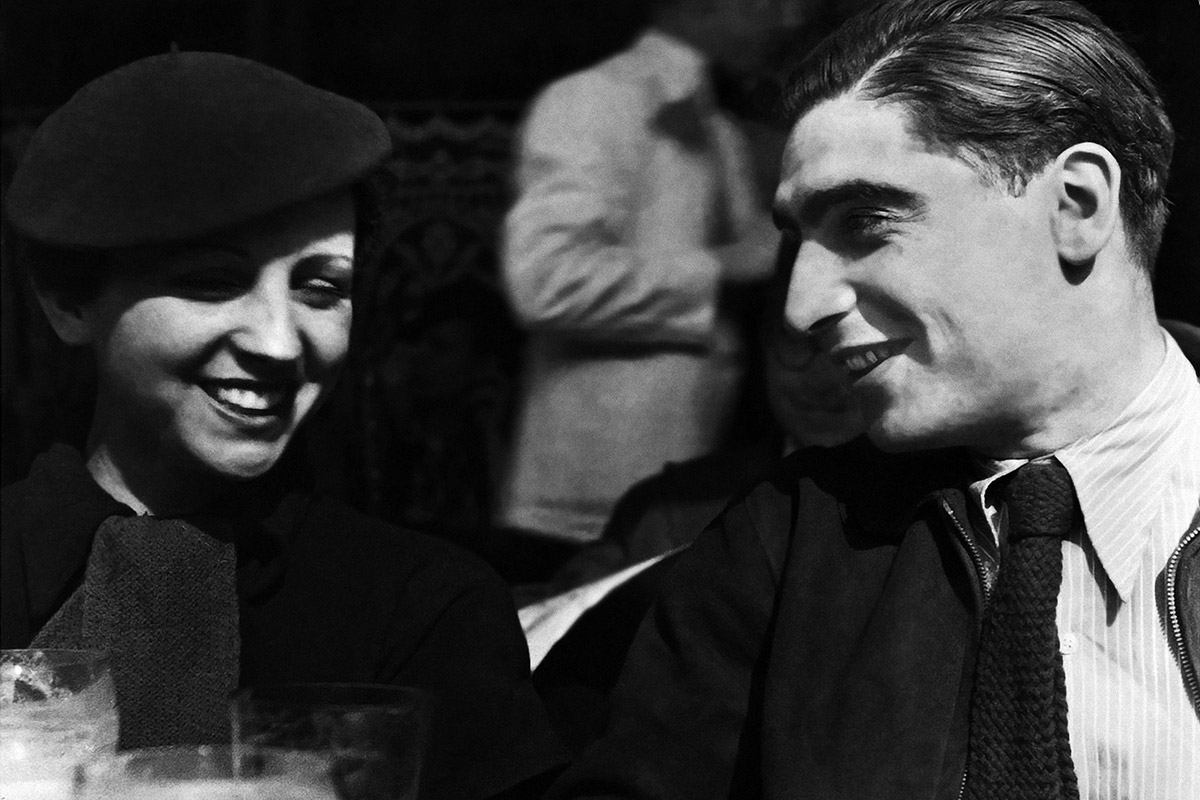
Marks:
<point>250,399</point>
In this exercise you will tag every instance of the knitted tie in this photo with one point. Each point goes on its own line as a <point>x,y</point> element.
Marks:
<point>160,596</point>
<point>1019,747</point>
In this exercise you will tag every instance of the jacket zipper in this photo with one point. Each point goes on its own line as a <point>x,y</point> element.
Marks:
<point>1174,627</point>
<point>977,561</point>
<point>972,551</point>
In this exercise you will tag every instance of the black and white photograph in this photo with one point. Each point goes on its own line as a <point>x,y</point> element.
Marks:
<point>597,399</point>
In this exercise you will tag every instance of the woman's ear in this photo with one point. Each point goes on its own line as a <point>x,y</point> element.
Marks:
<point>1088,184</point>
<point>67,316</point>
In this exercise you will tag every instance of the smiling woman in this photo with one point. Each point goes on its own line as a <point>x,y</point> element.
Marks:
<point>190,219</point>
<point>213,353</point>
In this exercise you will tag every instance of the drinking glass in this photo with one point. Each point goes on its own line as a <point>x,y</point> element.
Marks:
<point>58,712</point>
<point>374,735</point>
<point>208,772</point>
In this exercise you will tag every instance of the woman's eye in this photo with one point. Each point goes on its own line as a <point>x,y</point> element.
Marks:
<point>322,292</point>
<point>209,286</point>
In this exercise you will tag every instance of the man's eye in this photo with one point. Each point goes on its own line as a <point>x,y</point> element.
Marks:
<point>868,228</point>
<point>868,222</point>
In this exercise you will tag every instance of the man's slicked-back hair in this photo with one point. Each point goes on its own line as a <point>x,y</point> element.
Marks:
<point>1006,85</point>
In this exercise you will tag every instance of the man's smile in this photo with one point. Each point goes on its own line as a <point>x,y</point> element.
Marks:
<point>858,360</point>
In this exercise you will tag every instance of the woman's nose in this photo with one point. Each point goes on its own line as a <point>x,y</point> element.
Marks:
<point>818,293</point>
<point>268,327</point>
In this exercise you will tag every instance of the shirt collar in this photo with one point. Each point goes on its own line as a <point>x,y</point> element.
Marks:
<point>1121,471</point>
<point>682,69</point>
<point>987,472</point>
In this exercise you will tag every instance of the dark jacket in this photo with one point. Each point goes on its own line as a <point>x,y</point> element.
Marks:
<point>325,595</point>
<point>818,640</point>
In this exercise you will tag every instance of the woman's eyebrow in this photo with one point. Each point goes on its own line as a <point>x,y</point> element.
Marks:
<point>326,259</point>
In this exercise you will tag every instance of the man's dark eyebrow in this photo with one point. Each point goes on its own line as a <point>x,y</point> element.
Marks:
<point>813,208</point>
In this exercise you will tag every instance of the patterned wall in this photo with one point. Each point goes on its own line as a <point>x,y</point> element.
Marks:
<point>438,370</point>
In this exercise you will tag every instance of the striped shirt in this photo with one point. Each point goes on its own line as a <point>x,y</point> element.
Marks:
<point>1134,733</point>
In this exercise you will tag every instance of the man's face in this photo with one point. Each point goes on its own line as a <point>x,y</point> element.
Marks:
<point>212,354</point>
<point>934,290</point>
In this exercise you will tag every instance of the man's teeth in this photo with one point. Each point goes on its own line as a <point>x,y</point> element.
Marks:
<point>861,361</point>
<point>250,399</point>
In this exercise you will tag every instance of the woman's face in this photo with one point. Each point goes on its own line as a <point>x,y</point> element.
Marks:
<point>210,355</point>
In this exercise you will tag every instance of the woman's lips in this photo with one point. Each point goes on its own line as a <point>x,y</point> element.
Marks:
<point>249,399</point>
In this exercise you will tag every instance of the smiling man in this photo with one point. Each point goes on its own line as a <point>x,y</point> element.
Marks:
<point>992,595</point>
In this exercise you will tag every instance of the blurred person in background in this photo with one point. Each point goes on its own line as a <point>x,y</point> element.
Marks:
<point>193,221</point>
<point>810,405</point>
<point>638,216</point>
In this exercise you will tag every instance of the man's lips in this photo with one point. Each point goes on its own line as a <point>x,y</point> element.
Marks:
<point>858,360</point>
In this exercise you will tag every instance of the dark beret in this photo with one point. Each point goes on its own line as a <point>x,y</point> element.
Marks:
<point>177,146</point>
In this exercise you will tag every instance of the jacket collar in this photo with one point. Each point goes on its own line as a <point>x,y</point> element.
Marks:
<point>881,493</point>
<point>1186,577</point>
<point>67,506</point>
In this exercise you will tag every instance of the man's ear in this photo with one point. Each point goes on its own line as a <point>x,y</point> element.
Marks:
<point>1088,185</point>
<point>68,317</point>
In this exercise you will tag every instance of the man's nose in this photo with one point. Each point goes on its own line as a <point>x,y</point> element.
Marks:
<point>818,293</point>
<point>269,327</point>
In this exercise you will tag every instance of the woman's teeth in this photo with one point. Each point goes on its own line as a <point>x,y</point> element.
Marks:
<point>250,399</point>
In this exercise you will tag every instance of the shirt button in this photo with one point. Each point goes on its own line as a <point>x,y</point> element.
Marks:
<point>1068,643</point>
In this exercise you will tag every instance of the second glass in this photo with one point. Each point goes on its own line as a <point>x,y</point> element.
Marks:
<point>374,735</point>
